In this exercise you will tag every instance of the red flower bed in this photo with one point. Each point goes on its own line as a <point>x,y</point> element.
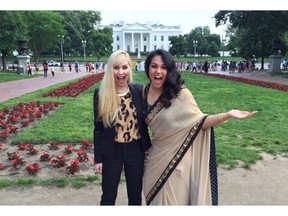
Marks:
<point>49,161</point>
<point>275,86</point>
<point>75,89</point>
<point>21,115</point>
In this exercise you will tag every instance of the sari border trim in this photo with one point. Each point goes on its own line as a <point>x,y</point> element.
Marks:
<point>174,161</point>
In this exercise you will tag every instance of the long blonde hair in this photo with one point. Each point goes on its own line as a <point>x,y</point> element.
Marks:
<point>108,105</point>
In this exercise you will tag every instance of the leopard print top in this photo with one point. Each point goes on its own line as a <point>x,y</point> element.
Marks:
<point>127,128</point>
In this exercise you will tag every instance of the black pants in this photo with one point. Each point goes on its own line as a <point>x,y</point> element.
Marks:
<point>129,156</point>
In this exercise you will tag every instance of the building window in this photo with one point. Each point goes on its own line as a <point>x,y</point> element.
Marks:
<point>128,48</point>
<point>145,48</point>
<point>162,38</point>
<point>117,38</point>
<point>144,38</point>
<point>155,47</point>
<point>155,37</point>
<point>118,47</point>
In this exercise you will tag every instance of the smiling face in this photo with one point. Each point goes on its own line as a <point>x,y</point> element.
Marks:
<point>157,72</point>
<point>121,74</point>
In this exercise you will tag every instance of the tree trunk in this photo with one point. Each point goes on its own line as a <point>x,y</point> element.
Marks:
<point>3,58</point>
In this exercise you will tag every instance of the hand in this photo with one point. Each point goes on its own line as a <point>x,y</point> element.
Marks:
<point>238,114</point>
<point>98,168</point>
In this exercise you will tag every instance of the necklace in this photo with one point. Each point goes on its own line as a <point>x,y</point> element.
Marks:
<point>123,93</point>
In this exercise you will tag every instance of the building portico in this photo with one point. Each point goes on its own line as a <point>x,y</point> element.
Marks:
<point>142,37</point>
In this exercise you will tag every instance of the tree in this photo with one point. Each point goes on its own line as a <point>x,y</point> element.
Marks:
<point>12,28</point>
<point>213,49</point>
<point>178,45</point>
<point>257,31</point>
<point>43,30</point>
<point>100,42</point>
<point>205,40</point>
<point>78,25</point>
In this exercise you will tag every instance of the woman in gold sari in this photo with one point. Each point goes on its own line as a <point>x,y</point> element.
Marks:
<point>181,167</point>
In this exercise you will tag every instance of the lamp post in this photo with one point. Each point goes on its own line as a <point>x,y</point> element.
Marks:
<point>84,46</point>
<point>195,42</point>
<point>223,44</point>
<point>62,53</point>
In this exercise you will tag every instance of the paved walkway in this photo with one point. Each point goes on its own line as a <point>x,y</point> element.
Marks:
<point>18,88</point>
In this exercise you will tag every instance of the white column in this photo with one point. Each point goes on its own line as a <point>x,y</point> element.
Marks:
<point>132,45</point>
<point>123,42</point>
<point>150,42</point>
<point>141,42</point>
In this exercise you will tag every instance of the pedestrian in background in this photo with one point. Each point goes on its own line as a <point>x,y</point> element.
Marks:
<point>45,68</point>
<point>29,68</point>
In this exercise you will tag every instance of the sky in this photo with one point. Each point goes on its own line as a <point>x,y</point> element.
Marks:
<point>187,14</point>
<point>188,19</point>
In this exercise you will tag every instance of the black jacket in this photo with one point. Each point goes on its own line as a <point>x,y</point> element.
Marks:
<point>104,138</point>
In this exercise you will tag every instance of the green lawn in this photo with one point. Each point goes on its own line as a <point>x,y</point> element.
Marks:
<point>12,76</point>
<point>235,141</point>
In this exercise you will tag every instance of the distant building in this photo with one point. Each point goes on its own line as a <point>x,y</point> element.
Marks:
<point>142,37</point>
<point>225,53</point>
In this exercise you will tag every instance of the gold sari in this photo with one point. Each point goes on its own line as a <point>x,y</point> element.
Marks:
<point>181,167</point>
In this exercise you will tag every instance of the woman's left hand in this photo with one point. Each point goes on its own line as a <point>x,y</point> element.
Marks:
<point>238,114</point>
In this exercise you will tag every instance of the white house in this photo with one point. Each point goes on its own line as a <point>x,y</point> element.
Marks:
<point>142,37</point>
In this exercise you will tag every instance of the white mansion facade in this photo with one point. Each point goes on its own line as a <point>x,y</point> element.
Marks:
<point>142,37</point>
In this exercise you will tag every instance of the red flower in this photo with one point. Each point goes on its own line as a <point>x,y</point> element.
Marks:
<point>275,86</point>
<point>74,89</point>
<point>1,147</point>
<point>86,145</point>
<point>13,129</point>
<point>32,151</point>
<point>2,166</point>
<point>12,155</point>
<point>82,156</point>
<point>58,161</point>
<point>18,162</point>
<point>74,167</point>
<point>53,145</point>
<point>32,169</point>
<point>3,125</point>
<point>2,115</point>
<point>44,157</point>
<point>68,150</point>
<point>25,123</point>
<point>22,146</point>
<point>4,135</point>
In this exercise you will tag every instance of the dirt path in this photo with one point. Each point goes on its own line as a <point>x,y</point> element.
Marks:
<point>264,184</point>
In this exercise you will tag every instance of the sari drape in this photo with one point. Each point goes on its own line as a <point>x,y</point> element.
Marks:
<point>189,182</point>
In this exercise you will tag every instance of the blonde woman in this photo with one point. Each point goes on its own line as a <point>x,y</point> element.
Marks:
<point>120,134</point>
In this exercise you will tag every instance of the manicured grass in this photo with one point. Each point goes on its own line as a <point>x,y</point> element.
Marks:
<point>12,76</point>
<point>235,141</point>
<point>56,182</point>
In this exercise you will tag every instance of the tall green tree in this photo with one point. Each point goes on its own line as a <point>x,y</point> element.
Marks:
<point>178,45</point>
<point>12,28</point>
<point>258,31</point>
<point>78,25</point>
<point>99,42</point>
<point>44,30</point>
<point>204,40</point>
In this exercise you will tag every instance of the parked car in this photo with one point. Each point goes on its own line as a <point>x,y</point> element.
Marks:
<point>12,66</point>
<point>53,63</point>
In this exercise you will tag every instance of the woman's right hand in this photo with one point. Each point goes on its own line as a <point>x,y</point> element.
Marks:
<point>98,168</point>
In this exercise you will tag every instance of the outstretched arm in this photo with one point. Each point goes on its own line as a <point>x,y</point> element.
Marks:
<point>213,120</point>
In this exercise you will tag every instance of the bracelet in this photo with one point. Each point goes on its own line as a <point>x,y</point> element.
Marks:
<point>222,118</point>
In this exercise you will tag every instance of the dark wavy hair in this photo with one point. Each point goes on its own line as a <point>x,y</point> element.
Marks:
<point>174,82</point>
